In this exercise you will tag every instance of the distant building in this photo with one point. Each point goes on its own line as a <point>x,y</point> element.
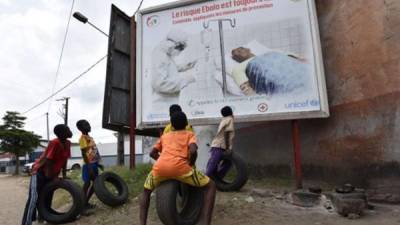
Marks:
<point>108,152</point>
<point>7,162</point>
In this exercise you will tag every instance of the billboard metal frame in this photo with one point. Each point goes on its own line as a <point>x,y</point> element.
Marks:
<point>319,68</point>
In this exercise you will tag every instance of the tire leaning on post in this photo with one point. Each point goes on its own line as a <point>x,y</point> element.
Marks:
<point>166,203</point>
<point>50,215</point>
<point>241,176</point>
<point>107,197</point>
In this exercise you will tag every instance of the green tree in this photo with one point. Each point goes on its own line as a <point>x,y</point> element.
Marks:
<point>14,139</point>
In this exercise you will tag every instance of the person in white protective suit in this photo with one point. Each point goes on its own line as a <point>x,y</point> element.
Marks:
<point>168,78</point>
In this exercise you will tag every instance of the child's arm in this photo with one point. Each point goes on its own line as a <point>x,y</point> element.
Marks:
<point>84,156</point>
<point>193,154</point>
<point>85,146</point>
<point>49,160</point>
<point>64,170</point>
<point>227,137</point>
<point>155,154</point>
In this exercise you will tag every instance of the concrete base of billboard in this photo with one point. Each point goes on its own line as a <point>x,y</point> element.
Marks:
<point>204,134</point>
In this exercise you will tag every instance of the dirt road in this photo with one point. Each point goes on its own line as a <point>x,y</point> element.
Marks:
<point>233,209</point>
<point>13,195</point>
<point>230,209</point>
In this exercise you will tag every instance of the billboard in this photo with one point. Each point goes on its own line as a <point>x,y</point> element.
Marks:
<point>117,88</point>
<point>261,57</point>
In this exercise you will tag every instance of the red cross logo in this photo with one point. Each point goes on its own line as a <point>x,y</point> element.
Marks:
<point>262,107</point>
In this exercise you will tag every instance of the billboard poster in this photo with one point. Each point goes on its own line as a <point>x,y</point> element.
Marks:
<point>261,57</point>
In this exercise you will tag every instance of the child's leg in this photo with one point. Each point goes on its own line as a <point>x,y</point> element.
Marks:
<point>209,199</point>
<point>89,190</point>
<point>41,182</point>
<point>225,166</point>
<point>149,185</point>
<point>144,205</point>
<point>197,179</point>
<point>215,158</point>
<point>30,207</point>
<point>95,173</point>
<point>89,174</point>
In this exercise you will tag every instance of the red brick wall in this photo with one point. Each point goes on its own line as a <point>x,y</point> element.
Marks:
<point>361,44</point>
<point>361,49</point>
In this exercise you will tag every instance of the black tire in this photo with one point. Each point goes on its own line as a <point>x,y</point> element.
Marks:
<point>241,174</point>
<point>167,203</point>
<point>105,195</point>
<point>52,216</point>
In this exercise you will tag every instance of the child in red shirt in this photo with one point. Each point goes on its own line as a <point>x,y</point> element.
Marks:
<point>47,168</point>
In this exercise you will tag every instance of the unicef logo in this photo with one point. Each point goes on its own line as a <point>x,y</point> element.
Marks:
<point>152,21</point>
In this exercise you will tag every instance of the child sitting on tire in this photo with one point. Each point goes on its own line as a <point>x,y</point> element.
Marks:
<point>222,144</point>
<point>175,154</point>
<point>47,168</point>
<point>91,157</point>
<point>173,109</point>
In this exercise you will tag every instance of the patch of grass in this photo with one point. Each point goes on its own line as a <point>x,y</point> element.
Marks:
<point>61,199</point>
<point>134,178</point>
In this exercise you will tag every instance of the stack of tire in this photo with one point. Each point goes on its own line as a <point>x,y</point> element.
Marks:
<point>78,197</point>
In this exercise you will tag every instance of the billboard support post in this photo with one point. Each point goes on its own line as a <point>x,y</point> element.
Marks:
<point>132,96</point>
<point>297,153</point>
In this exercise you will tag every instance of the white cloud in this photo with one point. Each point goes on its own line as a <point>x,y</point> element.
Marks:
<point>5,2</point>
<point>31,38</point>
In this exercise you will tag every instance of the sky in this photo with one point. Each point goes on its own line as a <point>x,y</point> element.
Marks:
<point>32,33</point>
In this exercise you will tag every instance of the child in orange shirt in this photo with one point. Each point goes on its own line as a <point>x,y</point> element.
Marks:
<point>175,154</point>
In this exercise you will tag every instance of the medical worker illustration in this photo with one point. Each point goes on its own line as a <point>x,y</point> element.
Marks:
<point>168,77</point>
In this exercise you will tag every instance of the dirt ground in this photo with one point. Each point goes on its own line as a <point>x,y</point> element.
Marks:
<point>13,195</point>
<point>230,209</point>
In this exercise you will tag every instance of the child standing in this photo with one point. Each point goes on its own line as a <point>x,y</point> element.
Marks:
<point>91,157</point>
<point>222,144</point>
<point>175,154</point>
<point>47,168</point>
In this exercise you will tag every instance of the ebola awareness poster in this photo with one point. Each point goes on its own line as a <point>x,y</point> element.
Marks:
<point>261,57</point>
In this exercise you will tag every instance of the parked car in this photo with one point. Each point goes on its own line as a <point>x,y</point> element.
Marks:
<point>28,168</point>
<point>72,164</point>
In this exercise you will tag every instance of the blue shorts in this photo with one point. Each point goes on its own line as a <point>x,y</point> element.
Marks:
<point>85,171</point>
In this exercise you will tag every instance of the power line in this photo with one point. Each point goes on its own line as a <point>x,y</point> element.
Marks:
<point>62,52</point>
<point>35,118</point>
<point>59,63</point>
<point>65,86</point>
<point>138,8</point>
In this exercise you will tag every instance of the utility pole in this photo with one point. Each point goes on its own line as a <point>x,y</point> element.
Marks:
<point>47,124</point>
<point>65,113</point>
<point>120,148</point>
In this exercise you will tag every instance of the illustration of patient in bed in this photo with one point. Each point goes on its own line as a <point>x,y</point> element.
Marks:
<point>269,73</point>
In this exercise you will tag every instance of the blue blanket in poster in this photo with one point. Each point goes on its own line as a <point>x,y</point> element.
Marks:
<point>277,73</point>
